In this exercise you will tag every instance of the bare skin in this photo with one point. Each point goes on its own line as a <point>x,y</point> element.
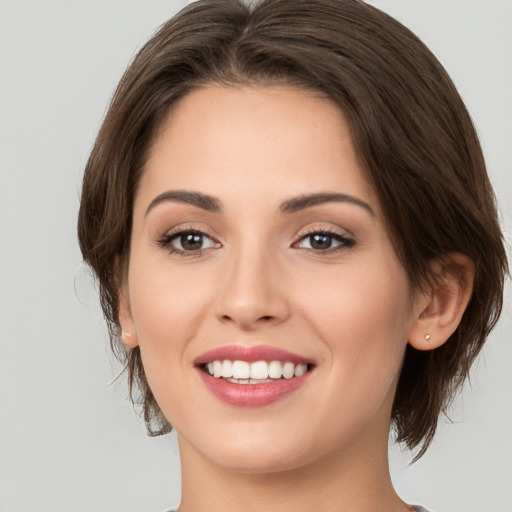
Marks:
<point>230,168</point>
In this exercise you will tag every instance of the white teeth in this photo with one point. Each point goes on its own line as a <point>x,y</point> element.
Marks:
<point>241,370</point>
<point>227,368</point>
<point>217,369</point>
<point>275,369</point>
<point>249,381</point>
<point>300,369</point>
<point>257,372</point>
<point>288,370</point>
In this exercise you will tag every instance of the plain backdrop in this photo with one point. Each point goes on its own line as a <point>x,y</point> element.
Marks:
<point>69,439</point>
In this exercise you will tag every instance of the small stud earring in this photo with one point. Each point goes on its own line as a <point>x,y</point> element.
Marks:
<point>427,337</point>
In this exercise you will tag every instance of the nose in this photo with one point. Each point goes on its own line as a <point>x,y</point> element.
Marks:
<point>253,291</point>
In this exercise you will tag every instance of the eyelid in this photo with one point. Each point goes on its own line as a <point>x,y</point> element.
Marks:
<point>165,241</point>
<point>346,240</point>
<point>329,229</point>
<point>187,227</point>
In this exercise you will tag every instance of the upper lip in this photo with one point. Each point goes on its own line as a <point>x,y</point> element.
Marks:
<point>250,354</point>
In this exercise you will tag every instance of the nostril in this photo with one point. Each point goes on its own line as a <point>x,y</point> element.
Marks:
<point>252,312</point>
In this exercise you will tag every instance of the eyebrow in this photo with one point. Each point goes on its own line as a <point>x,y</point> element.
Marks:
<point>308,200</point>
<point>203,201</point>
<point>212,204</point>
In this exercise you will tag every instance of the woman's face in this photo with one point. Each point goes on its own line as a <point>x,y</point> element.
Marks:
<point>257,240</point>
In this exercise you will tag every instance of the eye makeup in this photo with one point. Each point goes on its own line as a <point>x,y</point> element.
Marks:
<point>324,240</point>
<point>187,241</point>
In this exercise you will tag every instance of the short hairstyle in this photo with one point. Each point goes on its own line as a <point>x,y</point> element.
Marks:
<point>411,131</point>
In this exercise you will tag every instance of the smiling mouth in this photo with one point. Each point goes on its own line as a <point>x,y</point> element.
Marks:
<point>257,372</point>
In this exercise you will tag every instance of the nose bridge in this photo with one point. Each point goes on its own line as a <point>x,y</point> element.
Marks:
<point>252,286</point>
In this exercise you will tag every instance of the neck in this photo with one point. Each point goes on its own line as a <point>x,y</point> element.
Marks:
<point>354,481</point>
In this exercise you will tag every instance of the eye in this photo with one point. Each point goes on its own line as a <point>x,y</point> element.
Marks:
<point>323,241</point>
<point>187,242</point>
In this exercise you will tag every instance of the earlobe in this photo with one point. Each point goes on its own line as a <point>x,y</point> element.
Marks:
<point>128,332</point>
<point>442,309</point>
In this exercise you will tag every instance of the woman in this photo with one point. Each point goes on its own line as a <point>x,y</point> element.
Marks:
<point>296,242</point>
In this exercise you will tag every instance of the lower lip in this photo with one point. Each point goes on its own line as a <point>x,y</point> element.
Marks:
<point>252,395</point>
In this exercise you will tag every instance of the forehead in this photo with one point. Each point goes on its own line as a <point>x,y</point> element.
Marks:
<point>254,141</point>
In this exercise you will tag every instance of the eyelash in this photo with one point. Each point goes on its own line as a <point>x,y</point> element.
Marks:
<point>166,241</point>
<point>344,242</point>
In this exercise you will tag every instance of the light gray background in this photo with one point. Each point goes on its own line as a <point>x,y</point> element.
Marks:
<point>69,440</point>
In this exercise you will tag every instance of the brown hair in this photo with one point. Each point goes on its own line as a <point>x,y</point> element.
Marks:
<point>410,128</point>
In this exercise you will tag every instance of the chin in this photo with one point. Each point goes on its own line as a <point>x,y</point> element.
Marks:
<point>256,450</point>
<point>261,461</point>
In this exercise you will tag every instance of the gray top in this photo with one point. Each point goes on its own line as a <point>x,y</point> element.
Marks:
<point>417,508</point>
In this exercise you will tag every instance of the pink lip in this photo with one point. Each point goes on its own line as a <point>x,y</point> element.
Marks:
<point>250,354</point>
<point>251,395</point>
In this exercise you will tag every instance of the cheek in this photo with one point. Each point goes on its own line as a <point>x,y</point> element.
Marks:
<point>167,303</point>
<point>362,325</point>
<point>361,296</point>
<point>363,316</point>
<point>168,311</point>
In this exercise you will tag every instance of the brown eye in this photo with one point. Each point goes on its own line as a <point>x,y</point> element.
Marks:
<point>320,242</point>
<point>191,242</point>
<point>187,242</point>
<point>324,241</point>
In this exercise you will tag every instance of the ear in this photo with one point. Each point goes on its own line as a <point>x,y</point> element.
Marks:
<point>128,331</point>
<point>441,310</point>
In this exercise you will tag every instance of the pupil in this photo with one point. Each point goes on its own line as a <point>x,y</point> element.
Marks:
<point>320,241</point>
<point>191,242</point>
